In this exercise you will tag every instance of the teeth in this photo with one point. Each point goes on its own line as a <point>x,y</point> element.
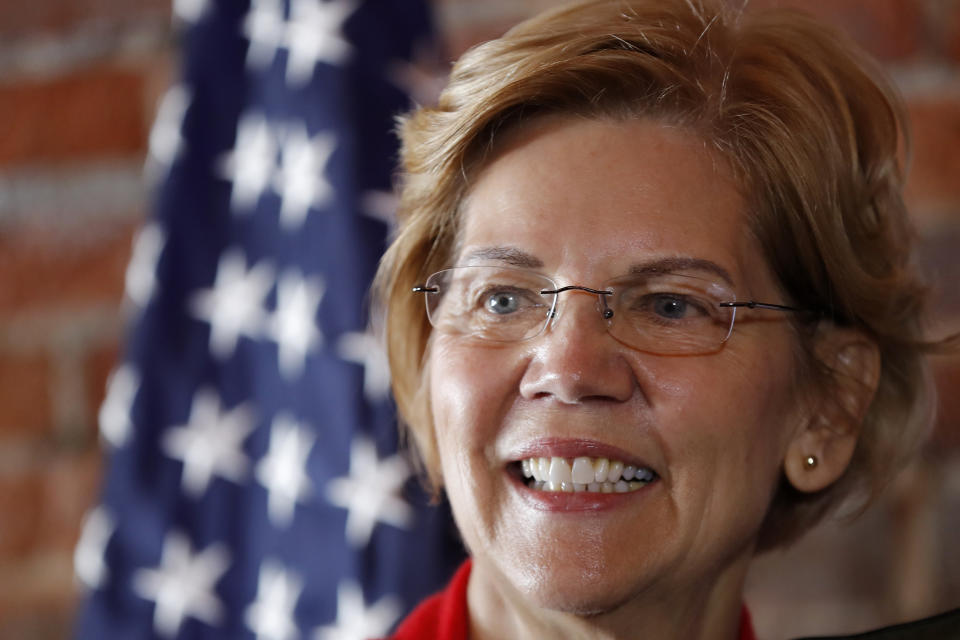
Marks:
<point>560,470</point>
<point>543,465</point>
<point>616,468</point>
<point>599,475</point>
<point>583,471</point>
<point>644,475</point>
<point>600,467</point>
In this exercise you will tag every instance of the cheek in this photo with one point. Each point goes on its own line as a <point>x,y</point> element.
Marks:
<point>731,428</point>
<point>470,394</point>
<point>470,391</point>
<point>748,400</point>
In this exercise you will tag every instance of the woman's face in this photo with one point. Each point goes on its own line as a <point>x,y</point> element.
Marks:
<point>584,201</point>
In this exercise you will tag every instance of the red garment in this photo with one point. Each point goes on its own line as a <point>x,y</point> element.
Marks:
<point>443,616</point>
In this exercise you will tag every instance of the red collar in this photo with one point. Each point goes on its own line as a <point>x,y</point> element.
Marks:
<point>443,616</point>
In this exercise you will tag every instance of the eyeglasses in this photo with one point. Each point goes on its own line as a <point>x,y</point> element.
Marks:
<point>660,313</point>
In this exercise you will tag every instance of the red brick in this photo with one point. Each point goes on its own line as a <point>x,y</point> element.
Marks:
<point>38,270</point>
<point>37,623</point>
<point>946,435</point>
<point>37,597</point>
<point>950,26</point>
<point>887,29</point>
<point>937,255</point>
<point>21,495</point>
<point>43,501</point>
<point>18,17</point>
<point>71,481</point>
<point>98,367</point>
<point>24,396</point>
<point>42,508</point>
<point>96,112</point>
<point>934,179</point>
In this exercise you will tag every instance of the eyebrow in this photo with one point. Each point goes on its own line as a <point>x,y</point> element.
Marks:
<point>679,264</point>
<point>508,255</point>
<point>518,258</point>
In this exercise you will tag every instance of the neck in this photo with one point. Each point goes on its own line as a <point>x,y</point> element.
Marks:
<point>709,610</point>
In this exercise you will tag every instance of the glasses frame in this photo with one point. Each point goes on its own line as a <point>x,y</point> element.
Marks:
<point>606,312</point>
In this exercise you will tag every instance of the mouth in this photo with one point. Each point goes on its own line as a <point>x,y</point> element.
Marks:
<point>581,474</point>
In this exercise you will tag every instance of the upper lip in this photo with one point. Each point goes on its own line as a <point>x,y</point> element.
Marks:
<point>553,447</point>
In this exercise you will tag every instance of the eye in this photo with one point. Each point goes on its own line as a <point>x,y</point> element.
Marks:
<point>666,307</point>
<point>502,302</point>
<point>672,307</point>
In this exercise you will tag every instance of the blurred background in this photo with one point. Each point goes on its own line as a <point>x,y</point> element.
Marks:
<point>80,81</point>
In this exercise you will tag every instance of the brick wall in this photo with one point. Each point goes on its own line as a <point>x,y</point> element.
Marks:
<point>79,80</point>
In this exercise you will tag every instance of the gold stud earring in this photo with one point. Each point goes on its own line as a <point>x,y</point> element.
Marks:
<point>810,462</point>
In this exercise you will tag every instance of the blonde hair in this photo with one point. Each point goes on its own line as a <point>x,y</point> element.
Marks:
<point>809,127</point>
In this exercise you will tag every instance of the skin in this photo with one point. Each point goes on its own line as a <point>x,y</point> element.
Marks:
<point>586,199</point>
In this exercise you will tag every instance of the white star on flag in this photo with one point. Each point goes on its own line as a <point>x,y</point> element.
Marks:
<point>293,325</point>
<point>301,181</point>
<point>190,11</point>
<point>283,470</point>
<point>211,443</point>
<point>166,142</point>
<point>114,416</point>
<point>251,164</point>
<point>354,620</point>
<point>313,35</point>
<point>183,585</point>
<point>367,351</point>
<point>88,561</point>
<point>270,616</point>
<point>140,280</point>
<point>234,307</point>
<point>380,205</point>
<point>370,492</point>
<point>264,28</point>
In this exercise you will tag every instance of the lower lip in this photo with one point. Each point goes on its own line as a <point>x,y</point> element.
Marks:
<point>565,501</point>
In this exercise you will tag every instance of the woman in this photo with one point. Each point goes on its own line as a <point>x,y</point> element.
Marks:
<point>671,318</point>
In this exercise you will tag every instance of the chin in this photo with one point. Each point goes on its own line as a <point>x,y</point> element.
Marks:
<point>578,600</point>
<point>571,585</point>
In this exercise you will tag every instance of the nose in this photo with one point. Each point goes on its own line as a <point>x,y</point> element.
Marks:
<point>576,360</point>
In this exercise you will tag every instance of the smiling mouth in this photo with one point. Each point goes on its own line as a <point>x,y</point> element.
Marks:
<point>583,474</point>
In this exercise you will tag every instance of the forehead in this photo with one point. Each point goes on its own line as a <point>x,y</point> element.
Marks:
<point>597,196</point>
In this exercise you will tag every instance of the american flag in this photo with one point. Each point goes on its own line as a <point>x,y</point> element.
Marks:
<point>254,489</point>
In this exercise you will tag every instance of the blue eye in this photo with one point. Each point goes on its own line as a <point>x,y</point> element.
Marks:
<point>670,307</point>
<point>502,303</point>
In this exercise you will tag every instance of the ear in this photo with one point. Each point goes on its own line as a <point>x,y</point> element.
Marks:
<point>848,364</point>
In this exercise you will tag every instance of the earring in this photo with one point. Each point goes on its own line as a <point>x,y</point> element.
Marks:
<point>810,462</point>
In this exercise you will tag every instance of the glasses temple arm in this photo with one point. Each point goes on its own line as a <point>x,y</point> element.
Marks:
<point>752,304</point>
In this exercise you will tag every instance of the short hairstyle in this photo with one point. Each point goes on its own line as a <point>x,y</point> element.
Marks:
<point>810,130</point>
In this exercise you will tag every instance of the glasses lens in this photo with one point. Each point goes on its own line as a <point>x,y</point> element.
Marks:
<point>491,303</point>
<point>671,313</point>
